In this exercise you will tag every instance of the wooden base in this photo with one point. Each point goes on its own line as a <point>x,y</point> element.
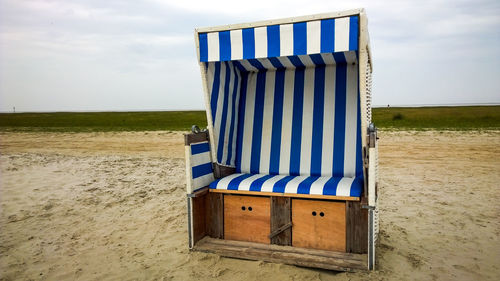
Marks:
<point>283,254</point>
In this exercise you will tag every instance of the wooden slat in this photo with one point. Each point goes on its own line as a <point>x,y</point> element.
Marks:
<point>281,215</point>
<point>215,215</point>
<point>194,138</point>
<point>312,230</point>
<point>200,192</point>
<point>357,228</point>
<point>283,254</point>
<point>221,171</point>
<point>199,218</point>
<point>305,196</point>
<point>247,218</point>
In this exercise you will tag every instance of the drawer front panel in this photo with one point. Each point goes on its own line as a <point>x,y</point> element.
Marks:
<point>247,218</point>
<point>319,224</point>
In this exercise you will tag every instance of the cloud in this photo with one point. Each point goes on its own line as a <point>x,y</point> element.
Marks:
<point>119,55</point>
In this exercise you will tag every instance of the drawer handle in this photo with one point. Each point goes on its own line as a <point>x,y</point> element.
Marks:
<point>250,208</point>
<point>322,214</point>
<point>243,208</point>
<point>314,213</point>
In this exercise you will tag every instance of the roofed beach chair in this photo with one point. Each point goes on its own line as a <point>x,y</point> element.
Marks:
<point>287,169</point>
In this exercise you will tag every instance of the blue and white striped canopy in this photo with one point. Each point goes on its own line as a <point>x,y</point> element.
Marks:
<point>301,38</point>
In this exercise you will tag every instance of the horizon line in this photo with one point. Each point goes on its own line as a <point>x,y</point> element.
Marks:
<point>200,109</point>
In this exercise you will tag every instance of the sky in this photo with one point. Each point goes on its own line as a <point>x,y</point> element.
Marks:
<point>94,55</point>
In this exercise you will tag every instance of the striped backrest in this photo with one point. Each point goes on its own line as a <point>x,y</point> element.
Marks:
<point>301,38</point>
<point>300,121</point>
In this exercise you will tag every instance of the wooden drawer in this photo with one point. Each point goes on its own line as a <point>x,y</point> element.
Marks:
<point>319,224</point>
<point>247,218</point>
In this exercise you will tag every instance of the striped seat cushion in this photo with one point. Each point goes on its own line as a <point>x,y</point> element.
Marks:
<point>336,186</point>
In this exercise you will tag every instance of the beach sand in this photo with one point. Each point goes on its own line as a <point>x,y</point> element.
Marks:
<point>112,206</point>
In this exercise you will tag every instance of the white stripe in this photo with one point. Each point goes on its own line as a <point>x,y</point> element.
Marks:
<point>267,64</point>
<point>245,184</point>
<point>307,122</point>
<point>293,185</point>
<point>286,62</point>
<point>313,37</point>
<point>344,187</point>
<point>328,58</point>
<point>267,124</point>
<point>328,122</point>
<point>213,46</point>
<point>236,116</point>
<point>306,60</point>
<point>247,66</point>
<point>268,185</point>
<point>286,39</point>
<point>223,183</point>
<point>246,151</point>
<point>286,127</point>
<point>341,34</point>
<point>210,76</point>
<point>318,185</point>
<point>260,42</point>
<point>220,104</point>
<point>200,158</point>
<point>351,121</point>
<point>236,44</point>
<point>189,177</point>
<point>228,113</point>
<point>203,181</point>
<point>350,57</point>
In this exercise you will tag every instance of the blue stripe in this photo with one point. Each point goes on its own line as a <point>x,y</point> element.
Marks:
<point>305,186</point>
<point>276,63</point>
<point>257,184</point>
<point>353,33</point>
<point>203,47</point>
<point>213,185</point>
<point>300,38</point>
<point>234,183</point>
<point>233,114</point>
<point>241,117</point>
<point>330,187</point>
<point>317,59</point>
<point>257,122</point>
<point>357,187</point>
<point>298,100</point>
<point>327,36</point>
<point>198,148</point>
<point>248,43</point>
<point>317,130</point>
<point>255,63</point>
<point>279,90</point>
<point>222,129</point>
<point>273,41</point>
<point>201,170</point>
<point>339,57</point>
<point>224,46</point>
<point>296,62</point>
<point>280,185</point>
<point>239,66</point>
<point>215,91</point>
<point>340,112</point>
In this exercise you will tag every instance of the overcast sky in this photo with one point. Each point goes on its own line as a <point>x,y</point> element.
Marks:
<point>139,55</point>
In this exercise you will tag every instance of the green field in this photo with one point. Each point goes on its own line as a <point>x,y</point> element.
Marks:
<point>402,118</point>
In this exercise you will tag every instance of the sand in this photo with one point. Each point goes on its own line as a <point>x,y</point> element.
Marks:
<point>111,206</point>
